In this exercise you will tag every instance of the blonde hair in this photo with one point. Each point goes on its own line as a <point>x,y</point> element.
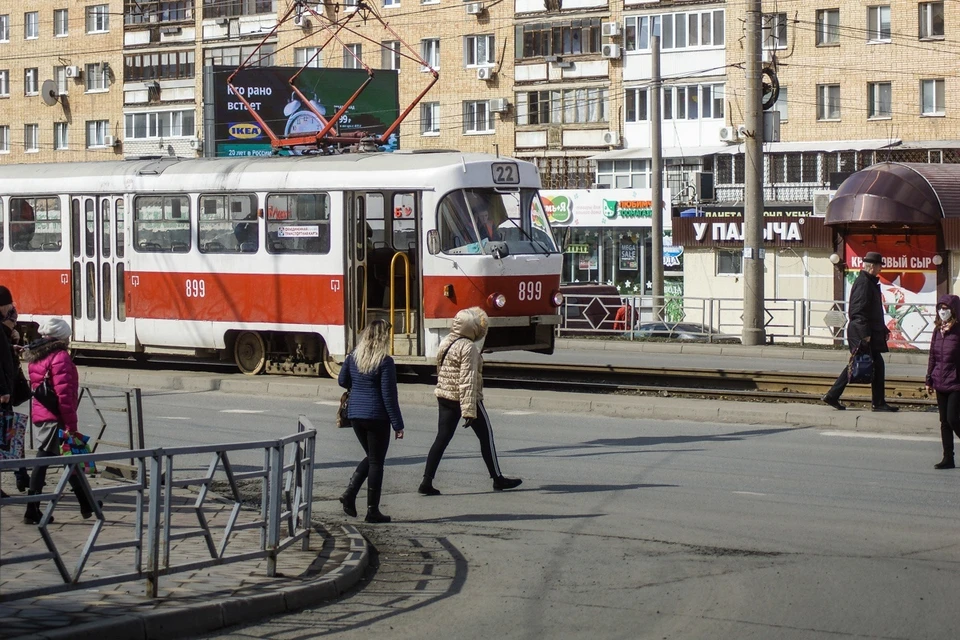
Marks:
<point>372,347</point>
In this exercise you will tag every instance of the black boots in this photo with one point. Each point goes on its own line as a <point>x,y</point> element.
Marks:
<point>946,463</point>
<point>33,514</point>
<point>373,507</point>
<point>500,483</point>
<point>349,497</point>
<point>426,487</point>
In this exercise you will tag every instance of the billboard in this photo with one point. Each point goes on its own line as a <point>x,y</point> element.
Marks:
<point>268,90</point>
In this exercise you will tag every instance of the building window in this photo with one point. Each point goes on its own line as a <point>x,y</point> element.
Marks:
<point>160,66</point>
<point>159,124</point>
<point>878,23</point>
<point>775,31</point>
<point>98,18</point>
<point>570,37</point>
<point>729,262</point>
<point>479,51</point>
<point>390,54</point>
<point>828,26</point>
<point>729,168</point>
<point>305,57</point>
<point>623,174</point>
<point>712,100</point>
<point>539,107</point>
<point>931,20</point>
<point>781,104</point>
<point>96,133</point>
<point>60,78</point>
<point>477,117</point>
<point>793,168</point>
<point>5,139</point>
<point>31,135</point>
<point>932,97</point>
<point>30,82</point>
<point>353,56</point>
<point>234,8</point>
<point>879,99</point>
<point>828,102</point>
<point>429,118</point>
<point>60,135</point>
<point>4,83</point>
<point>5,28</point>
<point>430,52</point>
<point>31,25</point>
<point>636,105</point>
<point>61,22</point>
<point>679,30</point>
<point>233,56</point>
<point>96,77</point>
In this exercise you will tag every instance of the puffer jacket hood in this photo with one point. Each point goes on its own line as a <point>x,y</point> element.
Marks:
<point>459,365</point>
<point>40,349</point>
<point>951,301</point>
<point>470,324</point>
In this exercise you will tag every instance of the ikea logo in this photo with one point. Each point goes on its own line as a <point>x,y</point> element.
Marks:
<point>245,131</point>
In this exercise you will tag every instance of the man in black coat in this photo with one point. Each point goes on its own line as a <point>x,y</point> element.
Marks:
<point>866,326</point>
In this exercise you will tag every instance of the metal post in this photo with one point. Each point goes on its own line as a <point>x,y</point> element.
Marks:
<point>656,151</point>
<point>311,450</point>
<point>153,527</point>
<point>753,315</point>
<point>276,508</point>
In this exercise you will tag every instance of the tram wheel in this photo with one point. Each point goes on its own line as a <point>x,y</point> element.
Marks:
<point>331,366</point>
<point>250,353</point>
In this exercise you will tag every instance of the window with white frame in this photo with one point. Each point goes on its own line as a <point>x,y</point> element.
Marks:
<point>4,83</point>
<point>693,102</point>
<point>932,97</point>
<point>690,30</point>
<point>98,18</point>
<point>781,104</point>
<point>390,55</point>
<point>5,29</point>
<point>97,131</point>
<point>233,56</point>
<point>774,30</point>
<point>353,56</point>
<point>539,107</point>
<point>31,25</point>
<point>624,174</point>
<point>60,135</point>
<point>477,117</point>
<point>31,137</point>
<point>558,38</point>
<point>636,105</point>
<point>478,51</point>
<point>878,23</point>
<point>879,99</point>
<point>391,3</point>
<point>60,78</point>
<point>159,124</point>
<point>712,100</point>
<point>828,26</point>
<point>307,56</point>
<point>931,20</point>
<point>30,87</point>
<point>5,138</point>
<point>828,102</point>
<point>430,52</point>
<point>729,262</point>
<point>61,22</point>
<point>571,106</point>
<point>96,77</point>
<point>429,118</point>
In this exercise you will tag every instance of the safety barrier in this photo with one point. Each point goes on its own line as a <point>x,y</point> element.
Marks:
<point>159,487</point>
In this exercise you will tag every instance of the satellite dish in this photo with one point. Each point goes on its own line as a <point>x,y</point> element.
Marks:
<point>48,91</point>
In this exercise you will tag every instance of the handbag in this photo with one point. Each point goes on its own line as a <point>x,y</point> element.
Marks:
<point>860,369</point>
<point>342,420</point>
<point>21,388</point>
<point>76,444</point>
<point>46,396</point>
<point>13,426</point>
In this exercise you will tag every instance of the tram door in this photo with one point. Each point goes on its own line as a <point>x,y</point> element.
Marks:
<point>98,270</point>
<point>384,271</point>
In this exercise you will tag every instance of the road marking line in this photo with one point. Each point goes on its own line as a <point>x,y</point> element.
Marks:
<point>172,418</point>
<point>519,413</point>
<point>749,493</point>
<point>328,403</point>
<point>242,411</point>
<point>878,436</point>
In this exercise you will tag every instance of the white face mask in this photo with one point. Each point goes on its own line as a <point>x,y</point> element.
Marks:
<point>945,314</point>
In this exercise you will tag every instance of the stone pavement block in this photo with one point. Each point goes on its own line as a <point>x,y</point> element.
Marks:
<point>240,610</point>
<point>554,404</point>
<point>311,594</point>
<point>754,413</point>
<point>639,408</point>
<point>121,628</point>
<point>198,384</point>
<point>292,389</point>
<point>705,411</point>
<point>182,621</point>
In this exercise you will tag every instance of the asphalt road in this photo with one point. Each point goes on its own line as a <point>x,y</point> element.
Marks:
<point>625,529</point>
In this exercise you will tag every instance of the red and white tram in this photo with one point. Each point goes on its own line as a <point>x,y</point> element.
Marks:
<point>279,262</point>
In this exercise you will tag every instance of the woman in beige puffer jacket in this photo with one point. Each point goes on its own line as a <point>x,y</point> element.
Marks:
<point>460,394</point>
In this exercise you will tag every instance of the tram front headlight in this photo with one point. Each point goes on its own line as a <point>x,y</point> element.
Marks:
<point>497,300</point>
<point>557,299</point>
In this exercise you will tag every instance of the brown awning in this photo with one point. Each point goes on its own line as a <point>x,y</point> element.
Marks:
<point>897,193</point>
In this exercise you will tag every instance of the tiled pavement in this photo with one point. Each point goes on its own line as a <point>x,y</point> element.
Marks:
<point>189,602</point>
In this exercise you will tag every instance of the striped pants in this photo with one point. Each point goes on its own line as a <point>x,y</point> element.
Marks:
<point>446,428</point>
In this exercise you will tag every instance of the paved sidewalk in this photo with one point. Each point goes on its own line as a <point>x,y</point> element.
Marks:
<point>190,602</point>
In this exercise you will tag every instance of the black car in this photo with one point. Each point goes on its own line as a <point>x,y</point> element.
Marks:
<point>683,331</point>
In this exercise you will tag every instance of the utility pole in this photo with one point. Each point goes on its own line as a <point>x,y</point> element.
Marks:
<point>753,311</point>
<point>656,154</point>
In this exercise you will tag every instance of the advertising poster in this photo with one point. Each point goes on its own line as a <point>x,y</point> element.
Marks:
<point>602,207</point>
<point>628,256</point>
<point>908,284</point>
<point>268,90</point>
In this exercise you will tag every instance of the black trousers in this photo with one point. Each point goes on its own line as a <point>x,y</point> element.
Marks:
<point>949,404</point>
<point>879,378</point>
<point>448,419</point>
<point>374,437</point>
<point>39,478</point>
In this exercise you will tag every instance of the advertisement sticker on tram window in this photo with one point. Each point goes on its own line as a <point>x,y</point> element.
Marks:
<point>299,231</point>
<point>505,173</point>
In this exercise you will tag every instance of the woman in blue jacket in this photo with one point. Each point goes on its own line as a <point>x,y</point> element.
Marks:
<point>942,373</point>
<point>371,377</point>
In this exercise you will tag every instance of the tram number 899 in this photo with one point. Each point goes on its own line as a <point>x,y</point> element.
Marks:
<point>196,289</point>
<point>530,290</point>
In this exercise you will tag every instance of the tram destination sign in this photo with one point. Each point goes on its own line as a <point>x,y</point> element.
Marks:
<point>268,90</point>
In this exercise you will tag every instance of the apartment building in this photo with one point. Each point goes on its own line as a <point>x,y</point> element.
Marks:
<point>60,65</point>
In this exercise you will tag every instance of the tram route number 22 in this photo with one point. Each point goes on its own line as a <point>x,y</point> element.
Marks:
<point>196,288</point>
<point>530,290</point>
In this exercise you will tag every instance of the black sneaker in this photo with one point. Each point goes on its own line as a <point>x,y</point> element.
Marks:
<point>427,489</point>
<point>501,483</point>
<point>836,404</point>
<point>946,463</point>
<point>888,408</point>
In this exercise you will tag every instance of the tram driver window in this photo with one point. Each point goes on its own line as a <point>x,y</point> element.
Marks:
<point>161,224</point>
<point>228,224</point>
<point>298,223</point>
<point>35,224</point>
<point>466,213</point>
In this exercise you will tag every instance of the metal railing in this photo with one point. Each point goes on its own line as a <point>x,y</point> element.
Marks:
<point>283,519</point>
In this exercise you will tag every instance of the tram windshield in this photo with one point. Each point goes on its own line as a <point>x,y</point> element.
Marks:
<point>478,220</point>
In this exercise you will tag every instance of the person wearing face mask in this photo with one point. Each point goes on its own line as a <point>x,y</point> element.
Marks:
<point>942,373</point>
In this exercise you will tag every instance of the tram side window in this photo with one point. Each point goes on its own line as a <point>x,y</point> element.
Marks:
<point>298,223</point>
<point>228,224</point>
<point>404,221</point>
<point>161,224</point>
<point>35,224</point>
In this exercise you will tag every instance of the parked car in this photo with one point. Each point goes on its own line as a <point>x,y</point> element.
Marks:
<point>588,308</point>
<point>683,331</point>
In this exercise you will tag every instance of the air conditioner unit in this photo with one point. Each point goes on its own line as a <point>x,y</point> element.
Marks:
<point>498,105</point>
<point>821,200</point>
<point>610,29</point>
<point>485,73</point>
<point>611,138</point>
<point>110,141</point>
<point>729,134</point>
<point>72,72</point>
<point>742,131</point>
<point>610,51</point>
<point>475,8</point>
<point>301,21</point>
<point>196,144</point>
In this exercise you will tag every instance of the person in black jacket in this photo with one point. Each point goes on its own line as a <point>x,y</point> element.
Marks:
<point>866,326</point>
<point>371,377</point>
<point>8,365</point>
